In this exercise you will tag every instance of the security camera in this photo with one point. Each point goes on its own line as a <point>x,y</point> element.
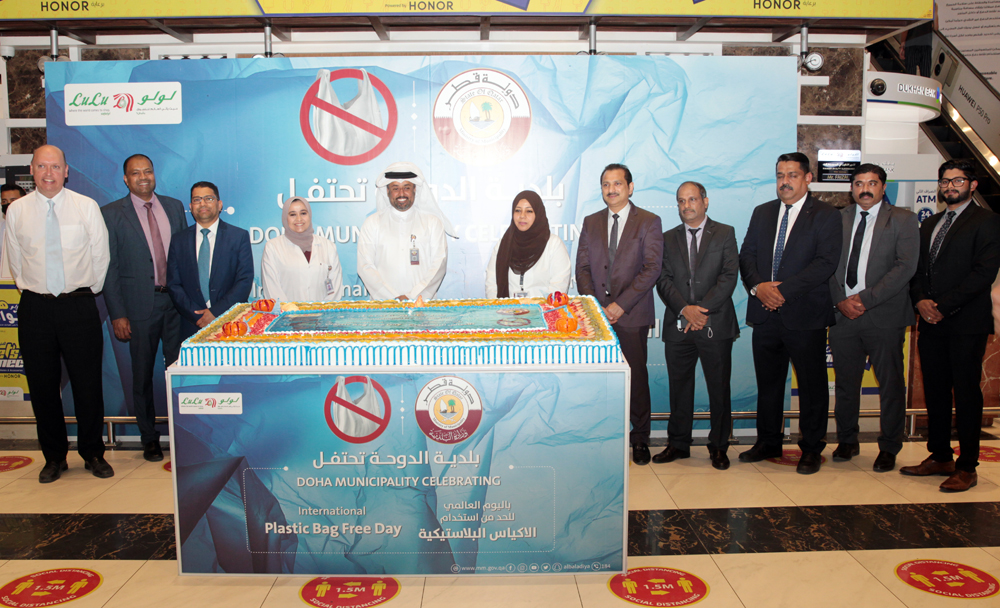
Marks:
<point>877,87</point>
<point>7,52</point>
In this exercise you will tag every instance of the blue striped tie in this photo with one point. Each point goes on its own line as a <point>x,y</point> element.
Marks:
<point>204,263</point>
<point>780,247</point>
<point>55,275</point>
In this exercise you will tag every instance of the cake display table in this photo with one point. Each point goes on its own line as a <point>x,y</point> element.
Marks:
<point>463,437</point>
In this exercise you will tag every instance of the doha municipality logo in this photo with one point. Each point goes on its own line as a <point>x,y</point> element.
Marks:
<point>448,409</point>
<point>482,116</point>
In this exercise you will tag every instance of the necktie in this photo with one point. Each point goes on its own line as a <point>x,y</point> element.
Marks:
<point>692,262</point>
<point>779,248</point>
<point>204,263</point>
<point>939,238</point>
<point>613,244</point>
<point>852,262</point>
<point>55,275</point>
<point>159,254</point>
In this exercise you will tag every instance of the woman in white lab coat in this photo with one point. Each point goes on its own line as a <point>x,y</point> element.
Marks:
<point>300,266</point>
<point>529,261</point>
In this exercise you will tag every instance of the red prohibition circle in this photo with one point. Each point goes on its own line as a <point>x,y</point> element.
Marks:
<point>383,422</point>
<point>311,100</point>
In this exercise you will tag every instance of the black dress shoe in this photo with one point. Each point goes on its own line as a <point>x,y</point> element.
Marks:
<point>884,462</point>
<point>51,471</point>
<point>99,467</point>
<point>152,452</point>
<point>671,454</point>
<point>759,452</point>
<point>640,453</point>
<point>719,459</point>
<point>808,464</point>
<point>845,451</point>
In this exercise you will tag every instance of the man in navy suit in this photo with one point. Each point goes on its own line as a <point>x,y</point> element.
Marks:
<point>792,248</point>
<point>618,262</point>
<point>140,228</point>
<point>210,265</point>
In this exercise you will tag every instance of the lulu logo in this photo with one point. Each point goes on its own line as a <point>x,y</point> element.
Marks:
<point>123,103</point>
<point>210,403</point>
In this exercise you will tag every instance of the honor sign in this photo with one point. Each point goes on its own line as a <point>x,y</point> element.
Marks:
<point>127,103</point>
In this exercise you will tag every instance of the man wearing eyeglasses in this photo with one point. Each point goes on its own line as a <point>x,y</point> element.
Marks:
<point>959,259</point>
<point>210,265</point>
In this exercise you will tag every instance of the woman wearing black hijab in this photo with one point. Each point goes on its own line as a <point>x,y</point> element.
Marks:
<point>529,261</point>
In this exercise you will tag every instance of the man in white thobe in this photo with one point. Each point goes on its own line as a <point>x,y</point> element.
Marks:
<point>403,248</point>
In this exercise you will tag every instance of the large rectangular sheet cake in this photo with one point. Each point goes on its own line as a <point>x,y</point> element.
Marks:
<point>529,331</point>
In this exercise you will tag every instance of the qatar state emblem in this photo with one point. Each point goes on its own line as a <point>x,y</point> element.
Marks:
<point>482,116</point>
<point>448,409</point>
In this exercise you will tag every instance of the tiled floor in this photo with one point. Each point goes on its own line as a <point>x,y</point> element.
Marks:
<point>757,535</point>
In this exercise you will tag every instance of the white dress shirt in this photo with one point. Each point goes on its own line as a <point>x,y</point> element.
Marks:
<point>82,232</point>
<point>549,274</point>
<point>384,246</point>
<point>622,217</point>
<point>793,214</point>
<point>213,230</point>
<point>701,231</point>
<point>866,246</point>
<point>286,275</point>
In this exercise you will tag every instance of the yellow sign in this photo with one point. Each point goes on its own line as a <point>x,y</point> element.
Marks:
<point>13,383</point>
<point>112,9</point>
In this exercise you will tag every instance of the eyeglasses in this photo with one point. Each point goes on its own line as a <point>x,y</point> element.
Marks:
<point>956,181</point>
<point>197,200</point>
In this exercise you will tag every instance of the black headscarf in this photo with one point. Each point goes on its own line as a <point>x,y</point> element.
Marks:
<point>519,250</point>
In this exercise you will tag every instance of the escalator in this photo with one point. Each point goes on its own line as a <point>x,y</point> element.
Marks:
<point>970,112</point>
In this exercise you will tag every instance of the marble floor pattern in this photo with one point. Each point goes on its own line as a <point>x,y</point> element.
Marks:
<point>756,534</point>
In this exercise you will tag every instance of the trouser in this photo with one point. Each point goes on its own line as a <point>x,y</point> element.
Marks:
<point>164,324</point>
<point>633,342</point>
<point>716,362</point>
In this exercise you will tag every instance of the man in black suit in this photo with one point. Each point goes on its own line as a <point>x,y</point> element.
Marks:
<point>791,250</point>
<point>700,270</point>
<point>881,245</point>
<point>618,258</point>
<point>210,265</point>
<point>140,227</point>
<point>959,259</point>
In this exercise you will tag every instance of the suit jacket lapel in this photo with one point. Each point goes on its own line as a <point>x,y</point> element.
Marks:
<point>128,210</point>
<point>848,224</point>
<point>708,230</point>
<point>627,232</point>
<point>770,237</point>
<point>804,217</point>
<point>220,239</point>
<point>960,221</point>
<point>881,221</point>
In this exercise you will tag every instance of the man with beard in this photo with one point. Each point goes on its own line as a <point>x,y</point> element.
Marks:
<point>871,291</point>
<point>959,259</point>
<point>402,247</point>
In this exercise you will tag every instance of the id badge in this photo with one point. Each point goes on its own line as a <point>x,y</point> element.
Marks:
<point>414,257</point>
<point>521,294</point>
<point>329,286</point>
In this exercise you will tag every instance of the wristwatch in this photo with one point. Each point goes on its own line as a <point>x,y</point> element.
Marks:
<point>753,290</point>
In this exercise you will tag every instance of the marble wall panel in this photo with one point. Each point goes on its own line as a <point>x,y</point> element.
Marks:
<point>122,54</point>
<point>755,51</point>
<point>25,89</point>
<point>813,138</point>
<point>25,140</point>
<point>843,96</point>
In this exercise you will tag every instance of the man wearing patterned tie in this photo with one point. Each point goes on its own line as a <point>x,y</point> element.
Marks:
<point>791,249</point>
<point>618,258</point>
<point>140,227</point>
<point>57,247</point>
<point>959,259</point>
<point>871,289</point>
<point>209,265</point>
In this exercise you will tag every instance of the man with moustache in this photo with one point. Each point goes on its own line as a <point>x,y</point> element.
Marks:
<point>701,266</point>
<point>8,194</point>
<point>959,260</point>
<point>57,248</point>
<point>209,265</point>
<point>618,259</point>
<point>881,245</point>
<point>791,249</point>
<point>140,227</point>
<point>402,247</point>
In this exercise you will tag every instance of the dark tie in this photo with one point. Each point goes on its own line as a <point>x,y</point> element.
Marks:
<point>779,248</point>
<point>852,263</point>
<point>939,238</point>
<point>613,244</point>
<point>205,264</point>
<point>159,253</point>
<point>692,262</point>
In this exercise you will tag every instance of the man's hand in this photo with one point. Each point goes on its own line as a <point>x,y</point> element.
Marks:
<point>206,317</point>
<point>614,312</point>
<point>696,317</point>
<point>851,308</point>
<point>929,312</point>
<point>769,295</point>
<point>123,330</point>
<point>402,298</point>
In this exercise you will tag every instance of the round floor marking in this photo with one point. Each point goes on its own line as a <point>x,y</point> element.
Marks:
<point>49,587</point>
<point>658,587</point>
<point>12,463</point>
<point>948,579</point>
<point>167,467</point>
<point>986,453</point>
<point>791,457</point>
<point>345,591</point>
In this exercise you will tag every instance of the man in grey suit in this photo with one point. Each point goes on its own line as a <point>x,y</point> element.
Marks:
<point>701,266</point>
<point>618,259</point>
<point>871,291</point>
<point>139,229</point>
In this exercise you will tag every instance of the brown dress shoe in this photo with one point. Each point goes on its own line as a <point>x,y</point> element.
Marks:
<point>960,481</point>
<point>929,467</point>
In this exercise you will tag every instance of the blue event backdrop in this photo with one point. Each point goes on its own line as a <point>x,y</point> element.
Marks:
<point>721,121</point>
